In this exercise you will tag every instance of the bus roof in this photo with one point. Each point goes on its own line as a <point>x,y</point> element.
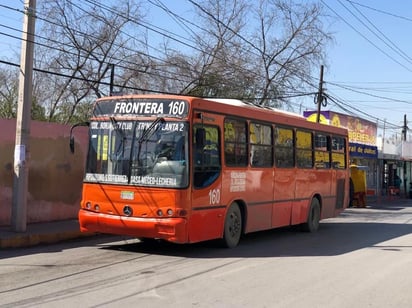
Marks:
<point>232,107</point>
<point>237,102</point>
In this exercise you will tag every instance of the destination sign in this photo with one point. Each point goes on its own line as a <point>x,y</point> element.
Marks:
<point>141,107</point>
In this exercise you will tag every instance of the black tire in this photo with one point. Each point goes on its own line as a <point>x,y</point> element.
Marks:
<point>312,223</point>
<point>148,240</point>
<point>233,226</point>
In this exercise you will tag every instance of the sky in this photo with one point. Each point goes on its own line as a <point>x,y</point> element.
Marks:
<point>371,59</point>
<point>368,69</point>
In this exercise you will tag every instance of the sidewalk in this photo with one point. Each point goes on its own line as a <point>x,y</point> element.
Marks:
<point>382,201</point>
<point>41,233</point>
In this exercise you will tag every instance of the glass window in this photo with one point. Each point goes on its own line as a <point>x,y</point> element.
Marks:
<point>322,155</point>
<point>235,143</point>
<point>284,147</point>
<point>338,152</point>
<point>206,155</point>
<point>138,153</point>
<point>304,149</point>
<point>261,149</point>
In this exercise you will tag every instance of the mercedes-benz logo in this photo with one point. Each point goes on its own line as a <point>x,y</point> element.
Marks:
<point>127,210</point>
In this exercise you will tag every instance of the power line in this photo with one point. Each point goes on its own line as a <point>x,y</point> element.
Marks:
<point>58,43</point>
<point>392,45</point>
<point>369,94</point>
<point>365,38</point>
<point>82,79</point>
<point>284,96</point>
<point>379,11</point>
<point>169,34</point>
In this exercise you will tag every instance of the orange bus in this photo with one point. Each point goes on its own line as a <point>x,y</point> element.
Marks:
<point>188,169</point>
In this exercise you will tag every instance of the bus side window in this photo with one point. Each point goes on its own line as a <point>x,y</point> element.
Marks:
<point>261,149</point>
<point>235,143</point>
<point>338,153</point>
<point>206,155</point>
<point>304,151</point>
<point>284,147</point>
<point>322,151</point>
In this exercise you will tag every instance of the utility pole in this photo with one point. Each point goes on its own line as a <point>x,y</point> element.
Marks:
<point>111,79</point>
<point>404,133</point>
<point>21,149</point>
<point>405,127</point>
<point>320,94</point>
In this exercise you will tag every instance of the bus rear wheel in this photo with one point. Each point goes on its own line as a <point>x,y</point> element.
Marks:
<point>233,226</point>
<point>312,222</point>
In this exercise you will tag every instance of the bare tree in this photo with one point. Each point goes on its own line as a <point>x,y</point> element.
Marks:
<point>8,92</point>
<point>261,51</point>
<point>258,51</point>
<point>289,42</point>
<point>9,88</point>
<point>82,43</point>
<point>221,65</point>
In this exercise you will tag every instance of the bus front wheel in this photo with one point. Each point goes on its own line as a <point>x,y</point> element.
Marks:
<point>233,226</point>
<point>312,222</point>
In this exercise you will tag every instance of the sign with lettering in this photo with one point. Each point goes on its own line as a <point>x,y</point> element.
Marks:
<point>141,107</point>
<point>359,130</point>
<point>362,150</point>
<point>237,181</point>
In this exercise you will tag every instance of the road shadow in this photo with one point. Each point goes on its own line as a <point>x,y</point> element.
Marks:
<point>332,239</point>
<point>352,230</point>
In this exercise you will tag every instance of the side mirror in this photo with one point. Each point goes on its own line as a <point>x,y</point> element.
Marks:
<point>71,144</point>
<point>71,141</point>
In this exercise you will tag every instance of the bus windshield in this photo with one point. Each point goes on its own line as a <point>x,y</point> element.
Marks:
<point>138,153</point>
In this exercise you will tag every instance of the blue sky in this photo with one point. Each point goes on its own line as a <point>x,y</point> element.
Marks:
<point>372,56</point>
<point>368,68</point>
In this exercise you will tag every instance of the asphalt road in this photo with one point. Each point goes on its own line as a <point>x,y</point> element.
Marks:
<point>362,258</point>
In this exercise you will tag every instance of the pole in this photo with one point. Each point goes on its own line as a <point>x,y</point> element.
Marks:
<point>405,131</point>
<point>405,127</point>
<point>381,166</point>
<point>111,79</point>
<point>21,150</point>
<point>320,93</point>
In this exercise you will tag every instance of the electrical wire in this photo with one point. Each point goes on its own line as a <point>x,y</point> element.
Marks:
<point>366,38</point>
<point>380,35</point>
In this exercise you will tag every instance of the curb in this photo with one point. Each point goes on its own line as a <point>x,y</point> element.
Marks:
<point>28,240</point>
<point>42,233</point>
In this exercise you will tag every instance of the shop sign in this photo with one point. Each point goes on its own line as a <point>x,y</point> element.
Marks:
<point>362,150</point>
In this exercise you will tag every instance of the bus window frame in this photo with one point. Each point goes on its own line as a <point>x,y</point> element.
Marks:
<point>304,163</point>
<point>324,151</point>
<point>343,151</point>
<point>260,147</point>
<point>204,168</point>
<point>237,162</point>
<point>285,148</point>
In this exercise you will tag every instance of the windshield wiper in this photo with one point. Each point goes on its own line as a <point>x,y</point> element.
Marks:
<point>122,135</point>
<point>147,133</point>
